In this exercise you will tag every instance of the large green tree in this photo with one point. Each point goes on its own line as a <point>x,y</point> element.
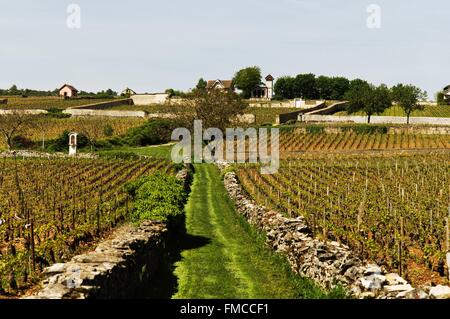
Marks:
<point>284,87</point>
<point>305,86</point>
<point>408,98</point>
<point>340,86</point>
<point>324,87</point>
<point>247,79</point>
<point>369,99</point>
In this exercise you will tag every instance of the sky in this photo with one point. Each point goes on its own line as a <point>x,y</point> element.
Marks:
<point>153,45</point>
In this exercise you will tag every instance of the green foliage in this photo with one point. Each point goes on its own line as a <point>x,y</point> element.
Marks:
<point>108,130</point>
<point>156,131</point>
<point>284,88</point>
<point>156,197</point>
<point>175,93</point>
<point>57,113</point>
<point>246,80</point>
<point>440,98</point>
<point>408,97</point>
<point>315,129</point>
<point>61,143</point>
<point>201,85</point>
<point>368,98</point>
<point>21,142</point>
<point>369,129</point>
<point>307,86</point>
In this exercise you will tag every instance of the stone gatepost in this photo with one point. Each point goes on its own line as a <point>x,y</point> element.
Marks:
<point>73,144</point>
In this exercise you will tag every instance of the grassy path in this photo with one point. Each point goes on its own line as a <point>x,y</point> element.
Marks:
<point>233,261</point>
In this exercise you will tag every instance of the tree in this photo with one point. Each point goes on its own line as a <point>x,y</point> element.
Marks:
<point>13,90</point>
<point>12,124</point>
<point>284,87</point>
<point>111,92</point>
<point>247,79</point>
<point>215,108</point>
<point>339,86</point>
<point>305,86</point>
<point>324,87</point>
<point>201,85</point>
<point>440,98</point>
<point>368,99</point>
<point>408,97</point>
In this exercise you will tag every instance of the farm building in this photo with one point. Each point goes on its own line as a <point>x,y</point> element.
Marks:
<point>128,92</point>
<point>264,90</point>
<point>68,91</point>
<point>223,85</point>
<point>446,92</point>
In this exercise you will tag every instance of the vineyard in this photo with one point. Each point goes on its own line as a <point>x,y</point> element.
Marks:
<point>351,141</point>
<point>45,103</point>
<point>428,111</point>
<point>391,210</point>
<point>49,208</point>
<point>51,128</point>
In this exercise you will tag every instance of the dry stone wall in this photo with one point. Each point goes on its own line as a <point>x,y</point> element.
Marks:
<point>119,268</point>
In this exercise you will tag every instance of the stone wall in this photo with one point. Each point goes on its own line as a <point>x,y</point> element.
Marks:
<point>336,107</point>
<point>104,105</point>
<point>121,267</point>
<point>118,268</point>
<point>106,113</point>
<point>327,263</point>
<point>29,112</point>
<point>297,115</point>
<point>148,99</point>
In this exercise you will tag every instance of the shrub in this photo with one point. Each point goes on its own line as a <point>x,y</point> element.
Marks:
<point>157,197</point>
<point>57,113</point>
<point>62,142</point>
<point>370,129</point>
<point>157,131</point>
<point>108,130</point>
<point>315,129</point>
<point>21,142</point>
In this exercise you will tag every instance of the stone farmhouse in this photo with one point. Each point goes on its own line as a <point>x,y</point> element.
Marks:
<point>263,91</point>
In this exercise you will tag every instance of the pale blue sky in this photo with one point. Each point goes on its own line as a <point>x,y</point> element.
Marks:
<point>153,45</point>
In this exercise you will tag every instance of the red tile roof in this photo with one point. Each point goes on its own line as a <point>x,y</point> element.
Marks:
<point>69,86</point>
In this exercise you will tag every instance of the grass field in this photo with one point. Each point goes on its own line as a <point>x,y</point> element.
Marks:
<point>157,151</point>
<point>429,111</point>
<point>46,103</point>
<point>232,261</point>
<point>268,115</point>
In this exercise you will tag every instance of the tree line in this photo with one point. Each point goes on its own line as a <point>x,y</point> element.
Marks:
<point>15,91</point>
